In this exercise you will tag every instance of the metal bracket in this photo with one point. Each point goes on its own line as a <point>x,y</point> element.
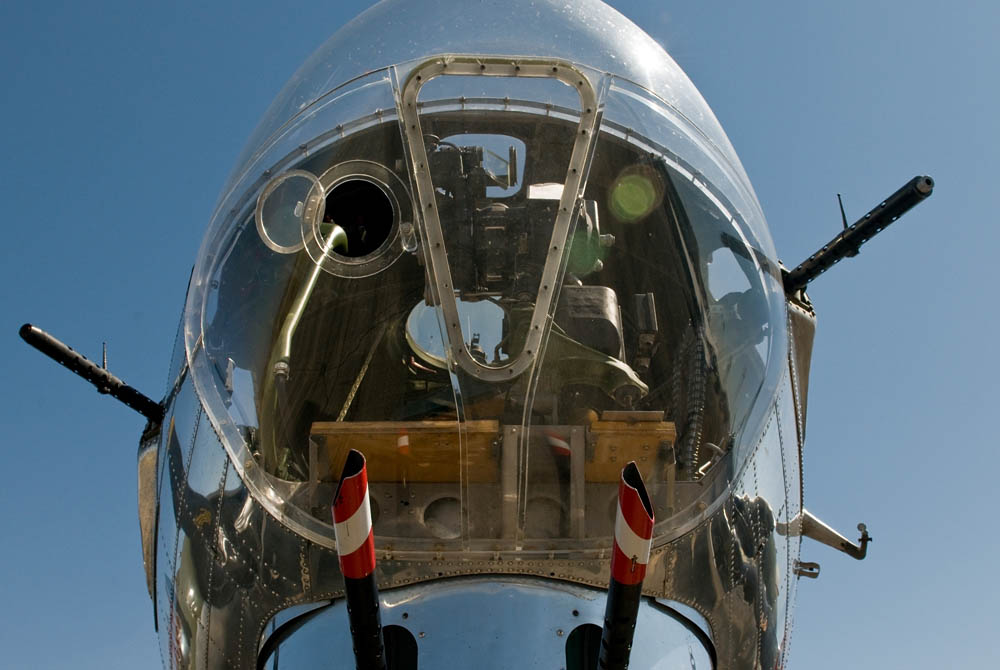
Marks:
<point>806,525</point>
<point>803,569</point>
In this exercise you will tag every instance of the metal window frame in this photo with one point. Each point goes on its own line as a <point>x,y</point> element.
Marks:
<point>435,250</point>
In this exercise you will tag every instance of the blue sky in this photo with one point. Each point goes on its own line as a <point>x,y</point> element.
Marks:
<point>121,121</point>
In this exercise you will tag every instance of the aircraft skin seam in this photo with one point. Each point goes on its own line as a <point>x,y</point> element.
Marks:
<point>220,488</point>
<point>176,481</point>
<point>787,586</point>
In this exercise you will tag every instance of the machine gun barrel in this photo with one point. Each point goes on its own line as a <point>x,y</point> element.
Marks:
<point>849,242</point>
<point>93,373</point>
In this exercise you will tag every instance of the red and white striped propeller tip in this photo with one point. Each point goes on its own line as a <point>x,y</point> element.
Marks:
<point>352,517</point>
<point>633,528</point>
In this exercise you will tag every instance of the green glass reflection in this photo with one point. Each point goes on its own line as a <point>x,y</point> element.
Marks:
<point>634,194</point>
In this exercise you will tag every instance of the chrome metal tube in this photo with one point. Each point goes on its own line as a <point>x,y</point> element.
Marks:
<point>337,238</point>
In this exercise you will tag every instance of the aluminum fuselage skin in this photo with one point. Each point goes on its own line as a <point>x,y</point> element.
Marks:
<point>224,567</point>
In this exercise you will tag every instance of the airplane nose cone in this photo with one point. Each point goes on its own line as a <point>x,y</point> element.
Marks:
<point>491,624</point>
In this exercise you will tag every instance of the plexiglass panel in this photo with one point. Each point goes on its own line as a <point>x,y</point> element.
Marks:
<point>652,305</point>
<point>514,277</point>
<point>586,31</point>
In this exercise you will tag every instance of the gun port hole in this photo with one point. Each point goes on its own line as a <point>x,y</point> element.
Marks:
<point>365,212</point>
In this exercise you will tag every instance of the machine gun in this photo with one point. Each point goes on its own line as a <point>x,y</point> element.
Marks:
<point>105,382</point>
<point>848,243</point>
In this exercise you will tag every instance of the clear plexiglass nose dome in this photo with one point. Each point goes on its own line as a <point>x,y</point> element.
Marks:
<point>503,250</point>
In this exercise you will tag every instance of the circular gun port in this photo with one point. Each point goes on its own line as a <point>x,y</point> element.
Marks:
<point>365,212</point>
